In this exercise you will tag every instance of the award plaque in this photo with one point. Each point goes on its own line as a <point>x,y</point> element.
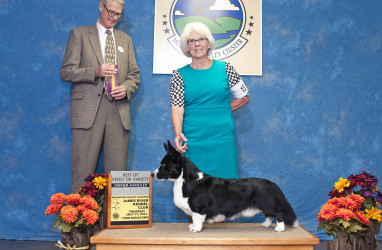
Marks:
<point>128,199</point>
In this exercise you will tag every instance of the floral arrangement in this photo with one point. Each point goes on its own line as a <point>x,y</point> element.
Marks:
<point>353,205</point>
<point>95,186</point>
<point>81,210</point>
<point>73,211</point>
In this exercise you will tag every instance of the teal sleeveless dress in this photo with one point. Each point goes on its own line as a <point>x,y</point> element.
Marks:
<point>208,124</point>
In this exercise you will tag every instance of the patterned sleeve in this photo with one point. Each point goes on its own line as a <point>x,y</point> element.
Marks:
<point>236,84</point>
<point>177,89</point>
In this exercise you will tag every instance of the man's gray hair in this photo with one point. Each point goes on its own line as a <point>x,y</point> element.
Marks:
<point>105,2</point>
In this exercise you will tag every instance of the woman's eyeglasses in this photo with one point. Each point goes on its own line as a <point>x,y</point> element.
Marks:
<point>200,40</point>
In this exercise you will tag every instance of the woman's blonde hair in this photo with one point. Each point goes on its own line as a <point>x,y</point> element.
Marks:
<point>199,28</point>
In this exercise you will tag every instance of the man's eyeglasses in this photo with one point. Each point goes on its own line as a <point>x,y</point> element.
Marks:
<point>113,13</point>
<point>200,40</point>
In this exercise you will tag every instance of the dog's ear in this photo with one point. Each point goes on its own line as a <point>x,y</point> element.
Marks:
<point>166,147</point>
<point>170,148</point>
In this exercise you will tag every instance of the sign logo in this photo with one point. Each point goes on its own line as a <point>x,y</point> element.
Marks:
<point>226,20</point>
<point>236,26</point>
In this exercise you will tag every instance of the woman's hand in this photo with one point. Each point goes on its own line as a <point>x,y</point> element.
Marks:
<point>178,141</point>
<point>177,123</point>
<point>238,103</point>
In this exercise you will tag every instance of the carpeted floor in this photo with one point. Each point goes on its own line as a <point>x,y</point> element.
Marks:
<point>216,230</point>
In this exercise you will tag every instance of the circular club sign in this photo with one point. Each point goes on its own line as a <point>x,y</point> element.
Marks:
<point>224,18</point>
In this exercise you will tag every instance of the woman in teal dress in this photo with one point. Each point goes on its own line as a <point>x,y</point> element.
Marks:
<point>201,105</point>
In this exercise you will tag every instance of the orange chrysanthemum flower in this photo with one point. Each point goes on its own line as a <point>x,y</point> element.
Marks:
<point>328,212</point>
<point>57,198</point>
<point>362,217</point>
<point>53,208</point>
<point>319,218</point>
<point>350,204</point>
<point>89,216</point>
<point>374,214</point>
<point>69,214</point>
<point>357,198</point>
<point>334,201</point>
<point>342,202</point>
<point>89,202</point>
<point>80,208</point>
<point>345,214</point>
<point>73,199</point>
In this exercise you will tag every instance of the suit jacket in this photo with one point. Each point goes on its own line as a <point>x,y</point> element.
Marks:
<point>82,57</point>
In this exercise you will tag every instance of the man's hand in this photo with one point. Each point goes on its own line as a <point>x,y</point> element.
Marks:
<point>118,92</point>
<point>106,70</point>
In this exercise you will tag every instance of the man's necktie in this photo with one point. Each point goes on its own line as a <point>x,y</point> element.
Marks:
<point>109,58</point>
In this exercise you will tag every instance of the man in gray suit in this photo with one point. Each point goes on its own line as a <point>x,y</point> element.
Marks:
<point>94,117</point>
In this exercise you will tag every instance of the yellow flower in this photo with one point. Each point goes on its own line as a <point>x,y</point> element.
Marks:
<point>99,182</point>
<point>341,184</point>
<point>376,189</point>
<point>374,214</point>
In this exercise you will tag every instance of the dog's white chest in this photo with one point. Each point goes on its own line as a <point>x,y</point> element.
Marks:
<point>179,200</point>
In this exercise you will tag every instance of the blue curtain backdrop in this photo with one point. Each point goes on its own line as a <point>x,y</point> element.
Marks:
<point>315,114</point>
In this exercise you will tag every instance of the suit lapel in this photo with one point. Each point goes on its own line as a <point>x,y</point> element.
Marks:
<point>118,40</point>
<point>95,43</point>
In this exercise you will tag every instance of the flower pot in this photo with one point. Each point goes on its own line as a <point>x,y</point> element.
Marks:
<point>345,241</point>
<point>340,242</point>
<point>76,238</point>
<point>98,226</point>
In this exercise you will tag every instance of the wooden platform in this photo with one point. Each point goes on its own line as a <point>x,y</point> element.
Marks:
<point>219,235</point>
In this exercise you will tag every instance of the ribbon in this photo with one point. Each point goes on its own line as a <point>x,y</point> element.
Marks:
<point>112,81</point>
<point>68,247</point>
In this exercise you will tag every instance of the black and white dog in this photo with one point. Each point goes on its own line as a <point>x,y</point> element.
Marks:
<point>210,199</point>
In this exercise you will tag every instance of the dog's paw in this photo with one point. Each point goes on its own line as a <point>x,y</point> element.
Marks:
<point>194,228</point>
<point>266,224</point>
<point>280,227</point>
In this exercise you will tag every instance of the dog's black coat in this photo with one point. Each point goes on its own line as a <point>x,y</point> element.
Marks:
<point>211,197</point>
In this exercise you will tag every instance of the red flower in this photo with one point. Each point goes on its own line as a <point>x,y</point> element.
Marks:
<point>335,193</point>
<point>89,189</point>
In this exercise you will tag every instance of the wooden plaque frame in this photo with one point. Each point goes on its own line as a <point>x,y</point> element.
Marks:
<point>107,206</point>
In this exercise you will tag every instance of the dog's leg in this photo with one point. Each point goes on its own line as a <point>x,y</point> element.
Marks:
<point>280,227</point>
<point>268,221</point>
<point>197,224</point>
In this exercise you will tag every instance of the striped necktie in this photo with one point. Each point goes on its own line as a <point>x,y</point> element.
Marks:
<point>109,58</point>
